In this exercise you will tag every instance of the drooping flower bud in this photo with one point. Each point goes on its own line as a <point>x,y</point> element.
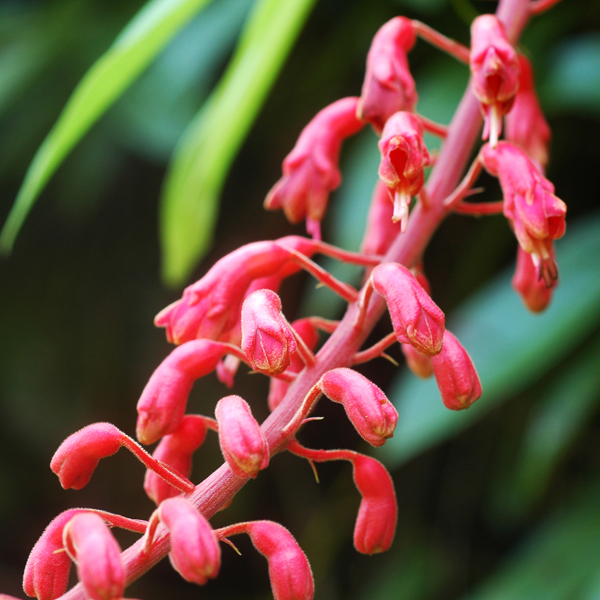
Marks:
<point>417,320</point>
<point>242,442</point>
<point>195,552</point>
<point>267,339</point>
<point>97,554</point>
<point>418,363</point>
<point>403,158</point>
<point>533,291</point>
<point>310,170</point>
<point>537,216</point>
<point>47,570</point>
<point>309,334</point>
<point>388,86</point>
<point>176,450</point>
<point>455,375</point>
<point>162,404</point>
<point>381,230</point>
<point>495,72</point>
<point>289,570</point>
<point>526,125</point>
<point>367,407</point>
<point>378,513</point>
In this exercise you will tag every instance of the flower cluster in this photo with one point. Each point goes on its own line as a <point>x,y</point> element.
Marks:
<point>233,315</point>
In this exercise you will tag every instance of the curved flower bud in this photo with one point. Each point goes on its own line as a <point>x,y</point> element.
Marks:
<point>533,291</point>
<point>162,404</point>
<point>267,339</point>
<point>242,442</point>
<point>388,86</point>
<point>367,407</point>
<point>289,570</point>
<point>381,230</point>
<point>195,552</point>
<point>78,456</point>
<point>417,320</point>
<point>403,158</point>
<point>526,125</point>
<point>176,450</point>
<point>418,363</point>
<point>495,72</point>
<point>310,170</point>
<point>378,513</point>
<point>535,213</point>
<point>47,570</point>
<point>455,375</point>
<point>98,555</point>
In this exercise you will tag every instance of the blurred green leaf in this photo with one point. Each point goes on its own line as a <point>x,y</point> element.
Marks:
<point>204,155</point>
<point>560,559</point>
<point>510,347</point>
<point>106,80</point>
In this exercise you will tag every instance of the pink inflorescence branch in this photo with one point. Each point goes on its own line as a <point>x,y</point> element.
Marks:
<point>233,315</point>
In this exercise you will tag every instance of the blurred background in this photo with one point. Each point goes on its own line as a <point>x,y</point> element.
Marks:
<point>502,501</point>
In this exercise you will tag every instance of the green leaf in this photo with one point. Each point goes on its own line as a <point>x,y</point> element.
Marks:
<point>111,74</point>
<point>510,347</point>
<point>205,153</point>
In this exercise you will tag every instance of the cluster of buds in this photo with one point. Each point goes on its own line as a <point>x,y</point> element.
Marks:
<point>233,315</point>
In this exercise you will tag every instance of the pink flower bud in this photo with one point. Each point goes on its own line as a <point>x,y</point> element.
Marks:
<point>455,374</point>
<point>403,158</point>
<point>176,450</point>
<point>417,320</point>
<point>78,456</point>
<point>418,363</point>
<point>98,556</point>
<point>378,513</point>
<point>195,552</point>
<point>267,338</point>
<point>46,573</point>
<point>162,404</point>
<point>388,86</point>
<point>289,571</point>
<point>310,170</point>
<point>381,230</point>
<point>211,306</point>
<point>526,125</point>
<point>367,407</point>
<point>535,213</point>
<point>534,292</point>
<point>242,442</point>
<point>495,72</point>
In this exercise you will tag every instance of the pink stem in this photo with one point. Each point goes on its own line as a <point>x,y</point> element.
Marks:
<point>435,38</point>
<point>320,455</point>
<point>136,525</point>
<point>304,352</point>
<point>322,324</point>
<point>464,187</point>
<point>433,127</point>
<point>355,258</point>
<point>539,6</point>
<point>376,350</point>
<point>478,210</point>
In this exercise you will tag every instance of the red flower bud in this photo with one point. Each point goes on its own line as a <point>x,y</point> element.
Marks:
<point>526,125</point>
<point>267,338</point>
<point>242,442</point>
<point>381,230</point>
<point>46,573</point>
<point>195,552</point>
<point>416,318</point>
<point>534,292</point>
<point>418,363</point>
<point>367,407</point>
<point>403,158</point>
<point>455,374</point>
<point>176,450</point>
<point>378,513</point>
<point>495,72</point>
<point>162,404</point>
<point>289,571</point>
<point>310,170</point>
<point>97,554</point>
<point>388,86</point>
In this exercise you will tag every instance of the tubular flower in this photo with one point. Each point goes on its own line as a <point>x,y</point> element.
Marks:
<point>417,320</point>
<point>418,363</point>
<point>267,339</point>
<point>455,375</point>
<point>526,125</point>
<point>534,292</point>
<point>310,170</point>
<point>388,86</point>
<point>537,216</point>
<point>495,72</point>
<point>403,158</point>
<point>381,229</point>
